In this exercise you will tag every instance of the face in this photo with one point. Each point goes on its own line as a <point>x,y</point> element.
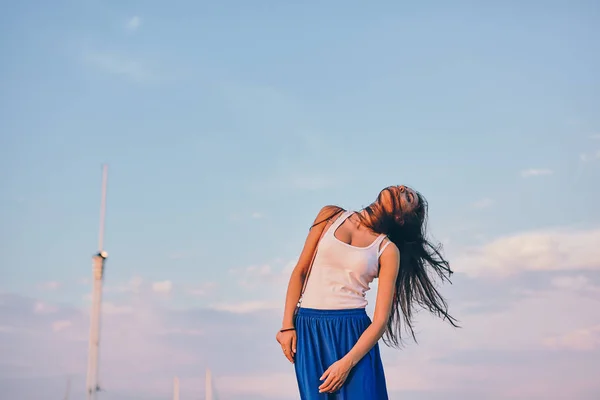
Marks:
<point>406,196</point>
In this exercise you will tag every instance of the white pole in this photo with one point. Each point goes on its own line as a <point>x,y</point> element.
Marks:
<point>92,386</point>
<point>209,388</point>
<point>176,388</point>
<point>68,390</point>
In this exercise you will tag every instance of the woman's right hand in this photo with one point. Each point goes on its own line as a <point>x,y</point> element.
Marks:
<point>287,340</point>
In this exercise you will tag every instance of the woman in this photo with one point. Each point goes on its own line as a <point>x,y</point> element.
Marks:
<point>330,339</point>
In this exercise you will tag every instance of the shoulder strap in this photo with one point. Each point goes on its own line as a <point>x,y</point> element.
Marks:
<point>313,258</point>
<point>339,221</point>
<point>380,251</point>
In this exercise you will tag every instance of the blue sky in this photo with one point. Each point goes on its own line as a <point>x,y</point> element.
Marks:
<point>226,126</point>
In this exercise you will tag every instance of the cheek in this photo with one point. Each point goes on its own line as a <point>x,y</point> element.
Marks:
<point>407,206</point>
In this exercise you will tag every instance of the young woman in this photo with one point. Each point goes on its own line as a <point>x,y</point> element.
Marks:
<point>330,339</point>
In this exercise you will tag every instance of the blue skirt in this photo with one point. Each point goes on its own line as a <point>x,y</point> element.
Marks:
<point>324,337</point>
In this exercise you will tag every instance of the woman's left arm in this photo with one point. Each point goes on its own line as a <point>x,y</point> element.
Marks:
<point>336,374</point>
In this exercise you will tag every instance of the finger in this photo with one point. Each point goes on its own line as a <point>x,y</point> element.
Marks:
<point>333,386</point>
<point>337,387</point>
<point>288,354</point>
<point>294,344</point>
<point>325,374</point>
<point>327,384</point>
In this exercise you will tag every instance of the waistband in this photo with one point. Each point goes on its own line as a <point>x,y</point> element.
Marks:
<point>314,312</point>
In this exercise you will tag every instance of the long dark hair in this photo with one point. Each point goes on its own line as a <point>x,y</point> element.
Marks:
<point>418,257</point>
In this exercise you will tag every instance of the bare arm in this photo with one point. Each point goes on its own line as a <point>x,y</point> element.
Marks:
<point>335,376</point>
<point>287,339</point>
<point>300,270</point>
<point>388,272</point>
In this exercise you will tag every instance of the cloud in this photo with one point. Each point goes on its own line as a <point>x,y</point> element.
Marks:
<point>113,309</point>
<point>483,203</point>
<point>50,285</point>
<point>133,23</point>
<point>265,385</point>
<point>264,277</point>
<point>199,290</point>
<point>501,354</point>
<point>577,283</point>
<point>164,287</point>
<point>528,173</point>
<point>134,285</point>
<point>185,332</point>
<point>581,339</point>
<point>58,326</point>
<point>248,306</point>
<point>119,65</point>
<point>518,350</point>
<point>137,286</point>
<point>588,157</point>
<point>552,250</point>
<point>43,308</point>
<point>264,270</point>
<point>140,350</point>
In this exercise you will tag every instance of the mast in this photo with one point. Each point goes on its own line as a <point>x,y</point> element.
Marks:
<point>209,388</point>
<point>68,390</point>
<point>98,260</point>
<point>176,388</point>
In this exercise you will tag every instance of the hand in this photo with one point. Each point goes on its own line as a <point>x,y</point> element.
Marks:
<point>287,340</point>
<point>335,376</point>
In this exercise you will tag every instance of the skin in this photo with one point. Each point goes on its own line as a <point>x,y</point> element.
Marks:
<point>335,376</point>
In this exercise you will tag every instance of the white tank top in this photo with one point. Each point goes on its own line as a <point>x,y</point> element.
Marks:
<point>341,273</point>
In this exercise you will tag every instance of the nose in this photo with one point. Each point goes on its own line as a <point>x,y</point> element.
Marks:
<point>402,188</point>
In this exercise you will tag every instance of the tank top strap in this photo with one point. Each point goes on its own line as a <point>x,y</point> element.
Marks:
<point>378,241</point>
<point>339,220</point>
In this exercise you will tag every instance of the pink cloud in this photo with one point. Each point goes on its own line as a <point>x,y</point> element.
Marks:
<point>553,250</point>
<point>50,285</point>
<point>163,287</point>
<point>44,308</point>
<point>58,326</point>
<point>514,351</point>
<point>580,339</point>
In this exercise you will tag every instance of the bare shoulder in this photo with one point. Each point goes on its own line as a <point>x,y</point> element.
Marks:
<point>391,253</point>
<point>326,213</point>
<point>322,220</point>
<point>389,263</point>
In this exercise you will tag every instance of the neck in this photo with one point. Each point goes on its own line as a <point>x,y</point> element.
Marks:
<point>365,216</point>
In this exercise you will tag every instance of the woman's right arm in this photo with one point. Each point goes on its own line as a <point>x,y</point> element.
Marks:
<point>299,275</point>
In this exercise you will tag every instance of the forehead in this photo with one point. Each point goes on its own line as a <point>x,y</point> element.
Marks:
<point>397,191</point>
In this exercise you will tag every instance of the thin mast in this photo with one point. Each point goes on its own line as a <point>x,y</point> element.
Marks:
<point>208,386</point>
<point>68,390</point>
<point>92,386</point>
<point>176,388</point>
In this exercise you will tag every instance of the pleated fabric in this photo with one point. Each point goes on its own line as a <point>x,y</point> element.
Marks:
<point>324,337</point>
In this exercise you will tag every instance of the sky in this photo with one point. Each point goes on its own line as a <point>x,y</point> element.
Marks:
<point>227,125</point>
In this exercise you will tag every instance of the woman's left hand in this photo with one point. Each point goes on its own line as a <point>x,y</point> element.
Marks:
<point>335,376</point>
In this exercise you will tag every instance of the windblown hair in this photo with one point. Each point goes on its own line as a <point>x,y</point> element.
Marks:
<point>418,258</point>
